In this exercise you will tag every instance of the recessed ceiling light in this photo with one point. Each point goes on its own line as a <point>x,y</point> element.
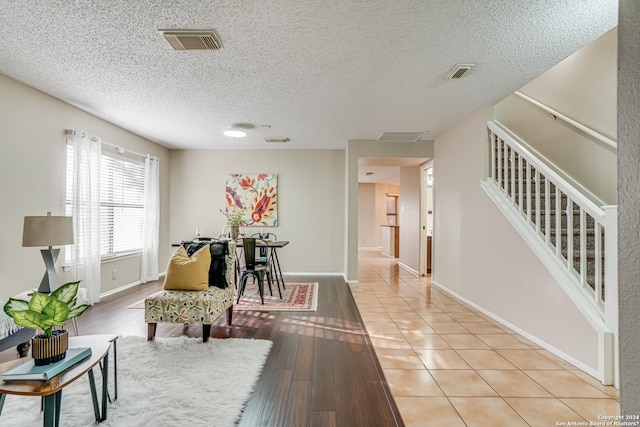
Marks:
<point>235,133</point>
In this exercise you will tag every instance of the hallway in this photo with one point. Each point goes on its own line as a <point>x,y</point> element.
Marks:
<point>449,365</point>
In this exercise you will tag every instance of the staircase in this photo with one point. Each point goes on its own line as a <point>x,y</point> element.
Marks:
<point>573,236</point>
<point>551,224</point>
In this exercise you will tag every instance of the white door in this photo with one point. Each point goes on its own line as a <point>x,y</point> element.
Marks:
<point>427,217</point>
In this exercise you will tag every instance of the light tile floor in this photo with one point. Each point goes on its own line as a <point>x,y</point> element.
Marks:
<point>449,365</point>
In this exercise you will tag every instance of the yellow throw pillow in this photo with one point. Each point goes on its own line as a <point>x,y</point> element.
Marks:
<point>188,273</point>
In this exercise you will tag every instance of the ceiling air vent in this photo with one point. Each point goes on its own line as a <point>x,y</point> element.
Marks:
<point>192,39</point>
<point>276,139</point>
<point>459,71</point>
<point>401,136</point>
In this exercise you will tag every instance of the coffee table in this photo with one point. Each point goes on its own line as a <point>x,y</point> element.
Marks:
<point>51,390</point>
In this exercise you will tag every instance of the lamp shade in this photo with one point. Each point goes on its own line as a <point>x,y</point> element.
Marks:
<point>47,231</point>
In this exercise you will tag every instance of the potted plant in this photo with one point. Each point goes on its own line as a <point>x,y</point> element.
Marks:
<point>235,218</point>
<point>44,312</point>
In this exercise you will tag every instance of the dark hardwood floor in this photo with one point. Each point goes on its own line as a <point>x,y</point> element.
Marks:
<point>321,370</point>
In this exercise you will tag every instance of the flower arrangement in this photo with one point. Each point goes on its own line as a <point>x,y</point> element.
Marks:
<point>234,215</point>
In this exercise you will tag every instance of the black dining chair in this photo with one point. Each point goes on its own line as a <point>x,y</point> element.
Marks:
<point>265,258</point>
<point>252,269</point>
<point>263,251</point>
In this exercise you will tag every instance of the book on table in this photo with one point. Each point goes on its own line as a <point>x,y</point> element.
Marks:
<point>29,371</point>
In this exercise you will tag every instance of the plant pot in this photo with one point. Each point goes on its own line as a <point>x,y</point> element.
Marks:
<point>235,229</point>
<point>46,350</point>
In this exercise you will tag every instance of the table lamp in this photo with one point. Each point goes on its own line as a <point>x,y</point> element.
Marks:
<point>48,231</point>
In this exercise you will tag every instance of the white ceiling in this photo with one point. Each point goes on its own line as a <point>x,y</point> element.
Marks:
<point>317,72</point>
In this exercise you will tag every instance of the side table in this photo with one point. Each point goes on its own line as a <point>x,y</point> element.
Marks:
<point>51,390</point>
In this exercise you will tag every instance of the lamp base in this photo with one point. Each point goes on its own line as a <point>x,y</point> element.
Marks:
<point>50,281</point>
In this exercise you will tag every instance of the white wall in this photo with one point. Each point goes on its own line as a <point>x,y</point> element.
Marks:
<point>367,215</point>
<point>409,212</point>
<point>310,200</point>
<point>32,179</point>
<point>582,87</point>
<point>480,257</point>
<point>629,208</point>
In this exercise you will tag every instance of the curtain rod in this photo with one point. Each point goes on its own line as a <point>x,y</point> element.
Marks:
<point>119,149</point>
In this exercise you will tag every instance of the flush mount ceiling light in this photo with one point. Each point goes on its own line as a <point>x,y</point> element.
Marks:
<point>235,133</point>
<point>239,130</point>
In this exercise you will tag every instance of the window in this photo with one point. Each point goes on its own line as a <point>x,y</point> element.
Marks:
<point>122,210</point>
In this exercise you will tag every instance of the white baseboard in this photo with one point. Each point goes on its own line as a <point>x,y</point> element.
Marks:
<point>125,287</point>
<point>409,269</point>
<point>306,273</point>
<point>575,362</point>
<point>120,289</point>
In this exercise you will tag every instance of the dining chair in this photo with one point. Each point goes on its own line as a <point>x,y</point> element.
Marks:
<point>252,269</point>
<point>265,257</point>
<point>263,251</point>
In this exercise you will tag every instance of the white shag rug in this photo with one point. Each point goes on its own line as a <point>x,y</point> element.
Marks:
<point>167,382</point>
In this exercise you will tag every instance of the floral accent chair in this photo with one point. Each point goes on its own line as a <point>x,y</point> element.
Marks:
<point>189,304</point>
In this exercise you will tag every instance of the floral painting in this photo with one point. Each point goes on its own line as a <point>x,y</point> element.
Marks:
<point>256,195</point>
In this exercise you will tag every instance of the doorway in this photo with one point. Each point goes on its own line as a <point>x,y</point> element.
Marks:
<point>427,219</point>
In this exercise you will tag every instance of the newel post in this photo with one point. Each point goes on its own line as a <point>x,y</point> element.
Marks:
<point>611,283</point>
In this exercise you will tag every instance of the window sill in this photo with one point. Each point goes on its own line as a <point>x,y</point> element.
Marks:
<point>110,258</point>
<point>120,256</point>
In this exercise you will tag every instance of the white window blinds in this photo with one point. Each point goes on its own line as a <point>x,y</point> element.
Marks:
<point>122,202</point>
<point>121,205</point>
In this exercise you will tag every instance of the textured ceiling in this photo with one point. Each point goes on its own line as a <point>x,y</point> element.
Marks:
<point>317,72</point>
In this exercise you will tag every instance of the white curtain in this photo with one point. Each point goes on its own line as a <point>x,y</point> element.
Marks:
<point>149,263</point>
<point>85,209</point>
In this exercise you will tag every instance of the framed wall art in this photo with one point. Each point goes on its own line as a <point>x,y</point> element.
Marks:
<point>256,195</point>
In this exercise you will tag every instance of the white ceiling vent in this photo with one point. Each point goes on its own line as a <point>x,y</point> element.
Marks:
<point>276,139</point>
<point>400,136</point>
<point>192,39</point>
<point>460,70</point>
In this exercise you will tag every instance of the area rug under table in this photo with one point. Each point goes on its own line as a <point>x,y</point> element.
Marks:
<point>167,382</point>
<point>296,297</point>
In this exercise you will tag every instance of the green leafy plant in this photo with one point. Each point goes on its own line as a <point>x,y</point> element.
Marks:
<point>44,311</point>
<point>235,216</point>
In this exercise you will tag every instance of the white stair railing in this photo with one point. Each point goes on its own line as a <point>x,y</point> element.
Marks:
<point>578,233</point>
